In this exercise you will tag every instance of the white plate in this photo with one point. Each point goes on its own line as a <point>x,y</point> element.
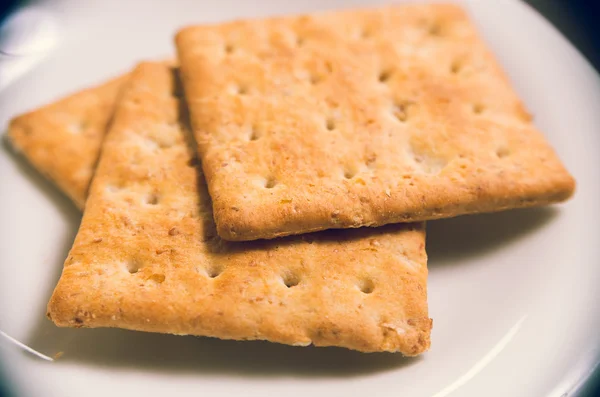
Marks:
<point>514,296</point>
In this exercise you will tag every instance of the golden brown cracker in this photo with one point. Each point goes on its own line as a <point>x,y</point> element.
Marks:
<point>359,118</point>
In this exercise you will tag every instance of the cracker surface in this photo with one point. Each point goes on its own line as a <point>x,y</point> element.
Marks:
<point>359,118</point>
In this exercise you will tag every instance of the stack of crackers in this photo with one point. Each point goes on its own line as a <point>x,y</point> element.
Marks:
<point>342,130</point>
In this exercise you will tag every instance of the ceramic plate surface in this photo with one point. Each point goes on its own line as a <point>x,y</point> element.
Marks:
<point>514,296</point>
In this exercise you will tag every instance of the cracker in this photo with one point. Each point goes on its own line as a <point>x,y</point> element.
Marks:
<point>63,139</point>
<point>359,118</point>
<point>147,256</point>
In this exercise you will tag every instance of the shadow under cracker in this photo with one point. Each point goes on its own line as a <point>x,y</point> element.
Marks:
<point>116,348</point>
<point>43,184</point>
<point>464,237</point>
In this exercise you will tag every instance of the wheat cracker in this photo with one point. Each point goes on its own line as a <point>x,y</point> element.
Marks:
<point>147,256</point>
<point>359,118</point>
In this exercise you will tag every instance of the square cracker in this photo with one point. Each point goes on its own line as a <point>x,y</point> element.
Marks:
<point>147,256</point>
<point>358,118</point>
<point>63,139</point>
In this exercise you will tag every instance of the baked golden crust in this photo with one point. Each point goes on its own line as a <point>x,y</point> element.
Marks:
<point>63,139</point>
<point>359,118</point>
<point>147,256</point>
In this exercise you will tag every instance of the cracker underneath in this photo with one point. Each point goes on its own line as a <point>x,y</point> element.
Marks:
<point>147,256</point>
<point>63,139</point>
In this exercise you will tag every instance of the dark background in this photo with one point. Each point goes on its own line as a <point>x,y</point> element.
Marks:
<point>578,20</point>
